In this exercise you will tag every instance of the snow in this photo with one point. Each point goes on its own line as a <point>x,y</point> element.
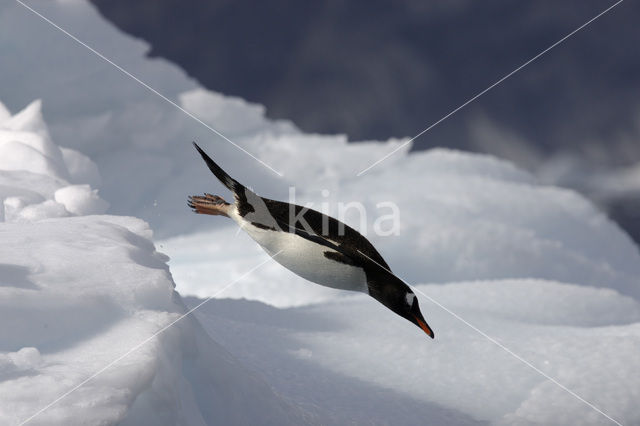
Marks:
<point>537,268</point>
<point>83,292</point>
<point>35,173</point>
<point>461,370</point>
<point>80,167</point>
<point>78,293</point>
<point>81,200</point>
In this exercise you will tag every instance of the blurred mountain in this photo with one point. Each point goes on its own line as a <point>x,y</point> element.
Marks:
<point>379,69</point>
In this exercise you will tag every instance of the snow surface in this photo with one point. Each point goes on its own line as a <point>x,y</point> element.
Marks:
<point>77,293</point>
<point>536,267</point>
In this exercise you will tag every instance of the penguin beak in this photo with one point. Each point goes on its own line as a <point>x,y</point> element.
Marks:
<point>424,326</point>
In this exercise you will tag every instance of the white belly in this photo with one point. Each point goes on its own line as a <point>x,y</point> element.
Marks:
<point>307,259</point>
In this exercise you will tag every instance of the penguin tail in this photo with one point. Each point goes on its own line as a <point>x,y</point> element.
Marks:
<point>222,176</point>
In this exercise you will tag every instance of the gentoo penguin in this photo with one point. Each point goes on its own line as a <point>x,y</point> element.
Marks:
<point>313,245</point>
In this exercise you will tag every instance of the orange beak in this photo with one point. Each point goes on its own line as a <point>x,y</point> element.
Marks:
<point>423,325</point>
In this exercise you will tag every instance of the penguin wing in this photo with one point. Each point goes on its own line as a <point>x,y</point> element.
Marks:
<point>325,230</point>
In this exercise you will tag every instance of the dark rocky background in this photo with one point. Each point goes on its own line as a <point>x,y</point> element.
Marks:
<point>378,69</point>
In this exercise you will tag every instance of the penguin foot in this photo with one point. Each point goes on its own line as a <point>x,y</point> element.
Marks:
<point>209,204</point>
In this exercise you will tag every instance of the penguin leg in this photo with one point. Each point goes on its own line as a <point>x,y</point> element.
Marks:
<point>209,204</point>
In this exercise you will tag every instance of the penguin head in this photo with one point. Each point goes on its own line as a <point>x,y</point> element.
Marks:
<point>399,297</point>
<point>413,314</point>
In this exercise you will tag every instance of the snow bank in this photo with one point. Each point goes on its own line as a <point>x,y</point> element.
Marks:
<point>79,293</point>
<point>35,174</point>
<point>355,350</point>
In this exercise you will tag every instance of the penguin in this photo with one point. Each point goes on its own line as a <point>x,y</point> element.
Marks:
<point>313,245</point>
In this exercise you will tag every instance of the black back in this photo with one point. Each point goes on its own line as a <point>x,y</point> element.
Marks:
<point>335,234</point>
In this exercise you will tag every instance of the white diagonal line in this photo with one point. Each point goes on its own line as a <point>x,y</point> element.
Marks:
<point>500,345</point>
<point>151,89</point>
<point>139,345</point>
<point>492,86</point>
